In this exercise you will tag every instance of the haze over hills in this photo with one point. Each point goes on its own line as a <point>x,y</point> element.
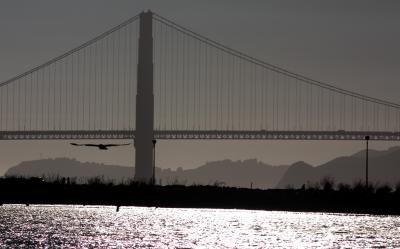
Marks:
<point>384,167</point>
<point>231,173</point>
<point>65,167</point>
<point>226,172</point>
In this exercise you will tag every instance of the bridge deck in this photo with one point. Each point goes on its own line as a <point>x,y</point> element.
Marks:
<point>204,134</point>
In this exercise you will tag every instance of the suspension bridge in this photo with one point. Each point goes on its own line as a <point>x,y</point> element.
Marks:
<point>150,78</point>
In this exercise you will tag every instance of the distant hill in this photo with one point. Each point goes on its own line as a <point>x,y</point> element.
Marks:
<point>227,172</point>
<point>232,173</point>
<point>384,167</point>
<point>65,167</point>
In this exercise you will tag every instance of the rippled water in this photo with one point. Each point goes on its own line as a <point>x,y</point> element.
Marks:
<point>139,227</point>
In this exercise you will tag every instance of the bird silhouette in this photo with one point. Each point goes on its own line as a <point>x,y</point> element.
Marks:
<point>100,146</point>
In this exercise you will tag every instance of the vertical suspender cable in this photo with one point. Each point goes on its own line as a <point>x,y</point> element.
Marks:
<point>262,99</point>
<point>107,80</point>
<point>66,93</point>
<point>72,90</point>
<point>172,80</point>
<point>85,82</point>
<point>118,101</point>
<point>206,86</point>
<point>48,96</point>
<point>273,99</point>
<point>223,90</point>
<point>218,91</point>
<point>37,100</point>
<point>113,83</point>
<point>130,66</point>
<point>90,68</point>
<point>124,89</point>
<point>30,102</point>
<point>176,55</point>
<point>1,108</point>
<point>54,95</point>
<point>229,91</point>
<point>18,104</point>
<point>11,106</point>
<point>199,84</point>
<point>278,101</point>
<point>252,96</point>
<point>165,74</point>
<point>100,107</point>
<point>95,86</point>
<point>184,83</point>
<point>78,83</point>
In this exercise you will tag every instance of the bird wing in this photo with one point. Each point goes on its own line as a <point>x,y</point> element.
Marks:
<point>111,145</point>
<point>75,144</point>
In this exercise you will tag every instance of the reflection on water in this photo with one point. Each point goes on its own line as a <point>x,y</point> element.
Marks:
<point>139,227</point>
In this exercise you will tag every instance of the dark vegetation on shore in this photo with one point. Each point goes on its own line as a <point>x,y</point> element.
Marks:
<point>325,196</point>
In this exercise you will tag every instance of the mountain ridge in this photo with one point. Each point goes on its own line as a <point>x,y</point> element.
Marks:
<point>384,167</point>
<point>240,173</point>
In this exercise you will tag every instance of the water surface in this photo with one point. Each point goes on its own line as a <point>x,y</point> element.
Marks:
<point>140,227</point>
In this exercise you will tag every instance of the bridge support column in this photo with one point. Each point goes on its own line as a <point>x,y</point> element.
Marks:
<point>144,102</point>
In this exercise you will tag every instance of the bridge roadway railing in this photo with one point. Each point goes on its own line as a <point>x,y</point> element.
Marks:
<point>202,134</point>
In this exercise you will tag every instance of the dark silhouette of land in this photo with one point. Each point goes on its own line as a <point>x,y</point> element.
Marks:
<point>356,199</point>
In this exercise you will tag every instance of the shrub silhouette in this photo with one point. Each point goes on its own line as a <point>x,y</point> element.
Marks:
<point>327,183</point>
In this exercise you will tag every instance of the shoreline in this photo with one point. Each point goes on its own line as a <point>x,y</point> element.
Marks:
<point>192,207</point>
<point>357,201</point>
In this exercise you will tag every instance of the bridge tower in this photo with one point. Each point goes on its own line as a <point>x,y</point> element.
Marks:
<point>144,102</point>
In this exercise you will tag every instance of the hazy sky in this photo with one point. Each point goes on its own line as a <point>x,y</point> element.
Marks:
<point>350,44</point>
